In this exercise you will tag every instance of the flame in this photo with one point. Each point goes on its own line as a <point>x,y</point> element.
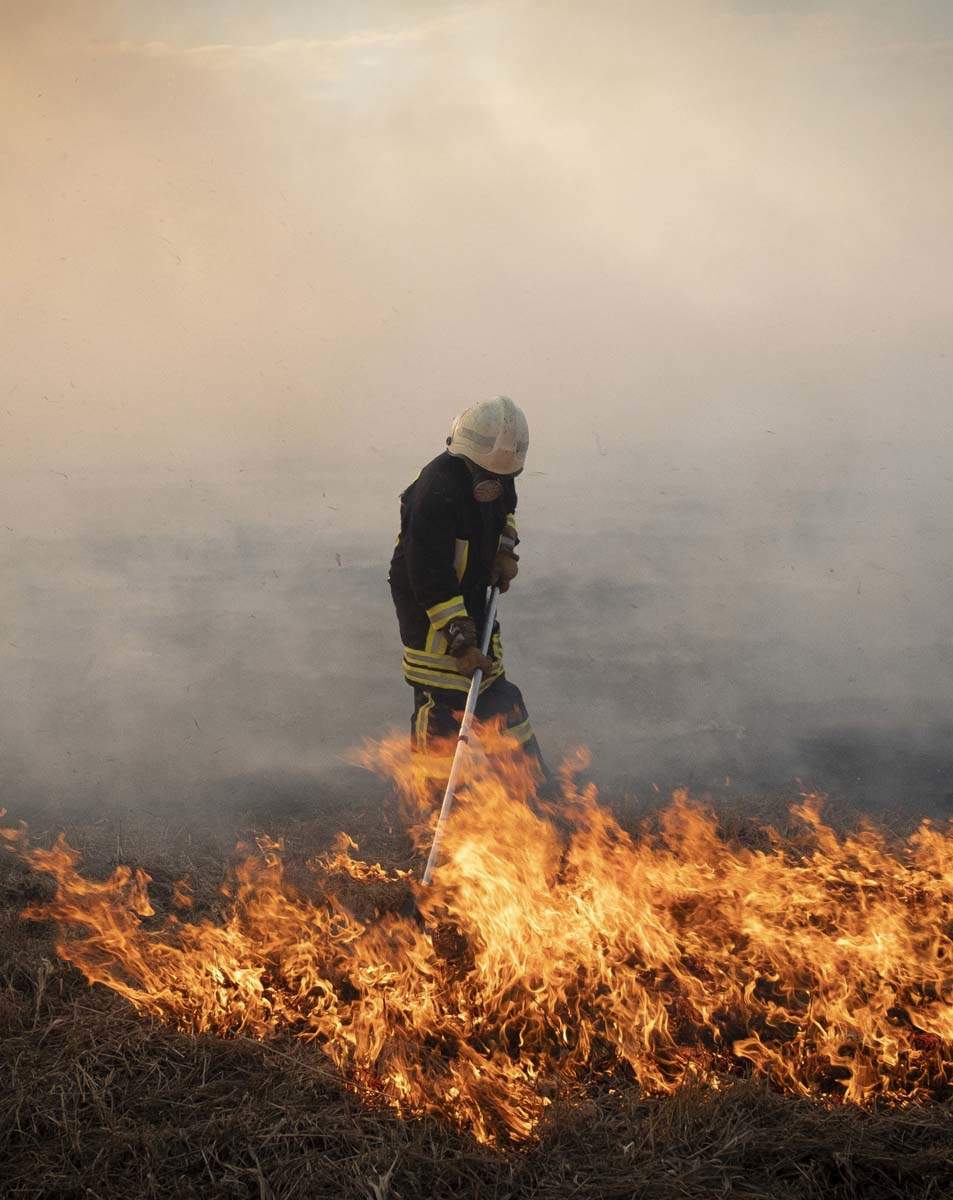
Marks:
<point>555,955</point>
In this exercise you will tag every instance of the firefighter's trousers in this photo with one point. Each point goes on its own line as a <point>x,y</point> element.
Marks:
<point>437,714</point>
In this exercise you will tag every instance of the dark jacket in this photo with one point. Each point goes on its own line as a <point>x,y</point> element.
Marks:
<point>442,565</point>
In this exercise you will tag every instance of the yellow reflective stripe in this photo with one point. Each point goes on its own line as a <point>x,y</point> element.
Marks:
<point>436,674</point>
<point>435,645</point>
<point>445,662</point>
<point>429,658</point>
<point>423,723</point>
<point>445,611</point>
<point>511,520</point>
<point>438,662</point>
<point>437,610</point>
<point>461,556</point>
<point>453,683</point>
<point>492,677</point>
<point>440,670</point>
<point>522,732</point>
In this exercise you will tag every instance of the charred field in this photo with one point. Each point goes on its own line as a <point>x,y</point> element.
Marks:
<point>99,1100</point>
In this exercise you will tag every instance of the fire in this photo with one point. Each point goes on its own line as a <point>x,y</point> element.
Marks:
<point>580,956</point>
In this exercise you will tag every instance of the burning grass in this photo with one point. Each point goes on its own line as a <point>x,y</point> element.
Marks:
<point>660,1012</point>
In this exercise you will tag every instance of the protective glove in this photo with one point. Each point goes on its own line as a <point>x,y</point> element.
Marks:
<point>461,638</point>
<point>505,569</point>
<point>472,660</point>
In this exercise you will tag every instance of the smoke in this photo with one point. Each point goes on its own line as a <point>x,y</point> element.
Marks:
<point>254,262</point>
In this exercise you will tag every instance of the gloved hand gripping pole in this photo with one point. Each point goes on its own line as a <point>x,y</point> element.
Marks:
<point>463,738</point>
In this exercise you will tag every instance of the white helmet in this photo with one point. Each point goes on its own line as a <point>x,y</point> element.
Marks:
<point>493,434</point>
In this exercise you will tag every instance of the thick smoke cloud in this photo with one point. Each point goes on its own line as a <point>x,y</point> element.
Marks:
<point>255,260</point>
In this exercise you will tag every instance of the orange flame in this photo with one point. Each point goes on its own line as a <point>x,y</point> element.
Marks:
<point>822,964</point>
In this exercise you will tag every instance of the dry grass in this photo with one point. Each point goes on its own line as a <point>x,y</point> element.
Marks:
<point>95,1102</point>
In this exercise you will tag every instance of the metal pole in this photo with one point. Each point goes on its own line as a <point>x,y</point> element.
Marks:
<point>463,739</point>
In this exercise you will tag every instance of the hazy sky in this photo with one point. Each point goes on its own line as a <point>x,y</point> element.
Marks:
<point>256,255</point>
<point>233,228</point>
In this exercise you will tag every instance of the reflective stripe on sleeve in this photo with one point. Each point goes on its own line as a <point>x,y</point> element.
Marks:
<point>436,644</point>
<point>440,614</point>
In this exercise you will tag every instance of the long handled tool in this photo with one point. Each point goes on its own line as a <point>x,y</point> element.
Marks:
<point>463,739</point>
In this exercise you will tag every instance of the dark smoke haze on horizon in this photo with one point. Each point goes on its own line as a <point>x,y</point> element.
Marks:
<point>255,258</point>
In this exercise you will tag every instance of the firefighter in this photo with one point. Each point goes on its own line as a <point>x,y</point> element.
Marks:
<point>457,536</point>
